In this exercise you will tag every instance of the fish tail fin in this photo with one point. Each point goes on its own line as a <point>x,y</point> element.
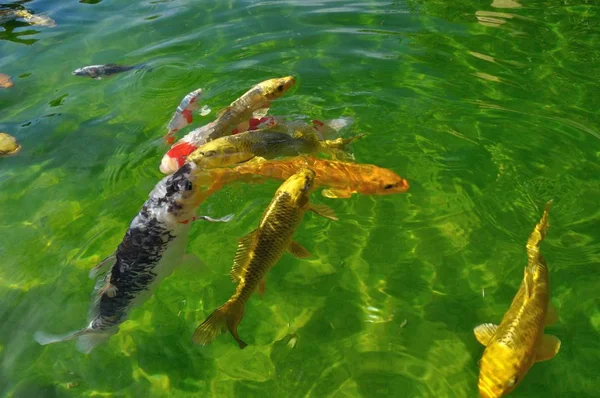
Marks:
<point>227,316</point>
<point>535,260</point>
<point>88,341</point>
<point>87,338</point>
<point>539,232</point>
<point>44,338</point>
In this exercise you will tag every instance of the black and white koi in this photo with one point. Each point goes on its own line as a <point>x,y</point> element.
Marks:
<point>152,247</point>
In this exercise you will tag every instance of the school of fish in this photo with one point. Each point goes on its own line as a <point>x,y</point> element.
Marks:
<point>244,144</point>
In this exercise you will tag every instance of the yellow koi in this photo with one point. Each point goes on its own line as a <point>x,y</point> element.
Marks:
<point>519,341</point>
<point>253,103</point>
<point>268,143</point>
<point>260,250</point>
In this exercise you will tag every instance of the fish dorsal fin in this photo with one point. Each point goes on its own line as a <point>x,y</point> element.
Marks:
<point>334,193</point>
<point>103,266</point>
<point>485,332</point>
<point>323,211</point>
<point>223,111</point>
<point>306,133</point>
<point>242,255</point>
<point>548,348</point>
<point>262,112</point>
<point>298,250</point>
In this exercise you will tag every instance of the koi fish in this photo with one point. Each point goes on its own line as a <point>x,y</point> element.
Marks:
<point>5,81</point>
<point>519,341</point>
<point>183,113</point>
<point>253,103</point>
<point>8,15</point>
<point>342,178</point>
<point>179,152</point>
<point>177,155</point>
<point>268,144</point>
<point>260,250</point>
<point>152,247</point>
<point>8,145</point>
<point>97,71</point>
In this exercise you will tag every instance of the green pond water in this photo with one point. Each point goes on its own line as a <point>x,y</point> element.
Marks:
<point>489,108</point>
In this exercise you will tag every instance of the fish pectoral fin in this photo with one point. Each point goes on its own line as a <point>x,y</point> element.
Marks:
<point>298,250</point>
<point>103,266</point>
<point>260,113</point>
<point>323,211</point>
<point>262,287</point>
<point>223,111</point>
<point>242,255</point>
<point>193,261</point>
<point>548,348</point>
<point>485,332</point>
<point>336,193</point>
<point>551,315</point>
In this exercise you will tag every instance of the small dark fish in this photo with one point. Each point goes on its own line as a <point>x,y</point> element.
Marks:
<point>97,71</point>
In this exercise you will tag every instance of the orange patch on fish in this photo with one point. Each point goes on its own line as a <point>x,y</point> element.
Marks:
<point>5,81</point>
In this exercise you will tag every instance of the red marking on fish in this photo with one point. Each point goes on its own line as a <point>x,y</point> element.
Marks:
<point>169,138</point>
<point>180,152</point>
<point>187,114</point>
<point>318,123</point>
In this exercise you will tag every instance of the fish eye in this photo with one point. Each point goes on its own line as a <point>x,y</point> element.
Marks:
<point>280,88</point>
<point>389,186</point>
<point>187,186</point>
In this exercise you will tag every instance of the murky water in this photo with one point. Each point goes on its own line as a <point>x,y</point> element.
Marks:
<point>488,108</point>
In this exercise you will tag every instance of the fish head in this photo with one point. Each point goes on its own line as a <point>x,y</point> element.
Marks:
<point>387,182</point>
<point>299,186</point>
<point>501,369</point>
<point>81,72</point>
<point>180,192</point>
<point>176,156</point>
<point>275,88</point>
<point>219,153</point>
<point>42,20</point>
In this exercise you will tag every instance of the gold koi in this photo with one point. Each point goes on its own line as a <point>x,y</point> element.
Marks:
<point>519,341</point>
<point>260,250</point>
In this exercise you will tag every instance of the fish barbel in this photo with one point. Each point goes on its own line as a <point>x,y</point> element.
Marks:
<point>342,179</point>
<point>152,247</point>
<point>260,250</point>
<point>519,341</point>
<point>269,143</point>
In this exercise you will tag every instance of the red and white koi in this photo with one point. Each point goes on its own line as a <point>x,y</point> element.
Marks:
<point>183,113</point>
